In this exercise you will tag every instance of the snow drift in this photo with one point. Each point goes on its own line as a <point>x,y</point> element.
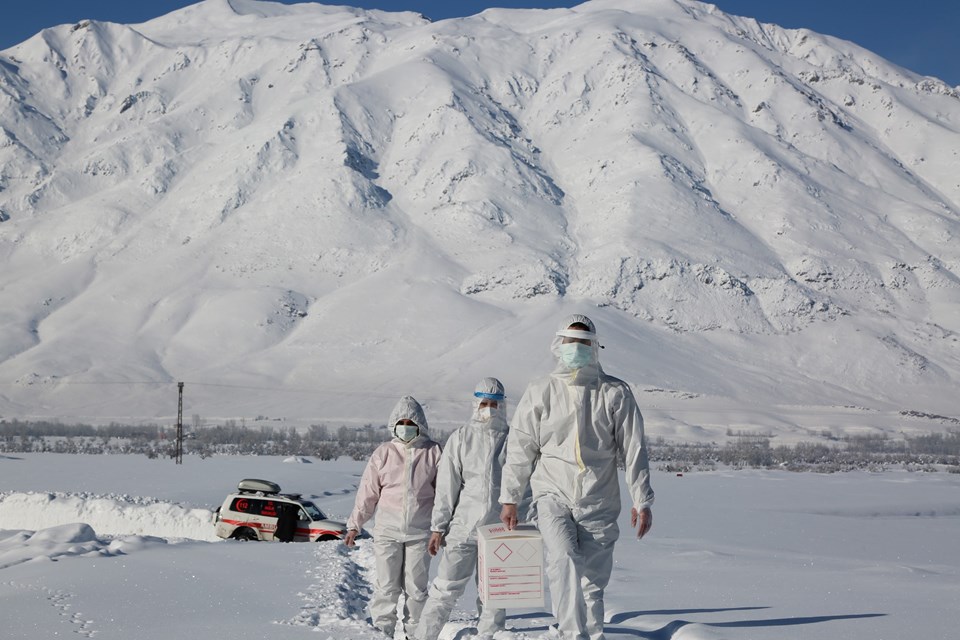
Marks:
<point>106,515</point>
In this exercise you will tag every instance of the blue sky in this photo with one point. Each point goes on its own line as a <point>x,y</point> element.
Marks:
<point>922,35</point>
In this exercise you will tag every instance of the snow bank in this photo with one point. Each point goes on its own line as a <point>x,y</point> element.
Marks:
<point>109,515</point>
<point>77,539</point>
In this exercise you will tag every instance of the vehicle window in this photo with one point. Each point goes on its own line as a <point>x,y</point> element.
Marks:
<point>255,507</point>
<point>245,505</point>
<point>313,511</point>
<point>269,509</point>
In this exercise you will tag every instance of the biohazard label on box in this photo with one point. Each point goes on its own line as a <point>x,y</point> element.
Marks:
<point>510,566</point>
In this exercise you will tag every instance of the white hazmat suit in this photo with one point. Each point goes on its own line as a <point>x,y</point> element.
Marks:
<point>468,486</point>
<point>399,483</point>
<point>567,432</point>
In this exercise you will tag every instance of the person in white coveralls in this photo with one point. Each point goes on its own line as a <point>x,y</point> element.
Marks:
<point>566,435</point>
<point>468,488</point>
<point>399,484</point>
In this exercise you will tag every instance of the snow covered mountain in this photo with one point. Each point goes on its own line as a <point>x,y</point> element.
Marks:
<point>305,211</point>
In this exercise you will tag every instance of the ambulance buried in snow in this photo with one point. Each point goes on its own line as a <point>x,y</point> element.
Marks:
<point>258,511</point>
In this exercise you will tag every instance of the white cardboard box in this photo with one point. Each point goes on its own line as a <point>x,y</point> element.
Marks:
<point>510,566</point>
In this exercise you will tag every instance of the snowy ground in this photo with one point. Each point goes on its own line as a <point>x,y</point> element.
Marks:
<point>121,547</point>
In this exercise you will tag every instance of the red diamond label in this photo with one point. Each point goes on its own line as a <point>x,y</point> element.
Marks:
<point>503,552</point>
<point>527,551</point>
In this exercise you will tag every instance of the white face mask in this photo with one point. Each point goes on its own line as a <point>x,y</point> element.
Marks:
<point>485,413</point>
<point>406,432</point>
<point>576,355</point>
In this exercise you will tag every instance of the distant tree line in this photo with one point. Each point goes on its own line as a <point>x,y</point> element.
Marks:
<point>875,452</point>
<point>230,438</point>
<point>929,452</point>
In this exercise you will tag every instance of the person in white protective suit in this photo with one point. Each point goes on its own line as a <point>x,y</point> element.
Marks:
<point>468,488</point>
<point>399,483</point>
<point>566,435</point>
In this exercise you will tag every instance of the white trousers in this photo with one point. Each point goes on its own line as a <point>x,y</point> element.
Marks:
<point>402,567</point>
<point>457,565</point>
<point>578,549</point>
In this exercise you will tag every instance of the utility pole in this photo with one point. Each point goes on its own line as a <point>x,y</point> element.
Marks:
<point>180,423</point>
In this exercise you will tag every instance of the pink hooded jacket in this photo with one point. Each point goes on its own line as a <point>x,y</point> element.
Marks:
<point>399,481</point>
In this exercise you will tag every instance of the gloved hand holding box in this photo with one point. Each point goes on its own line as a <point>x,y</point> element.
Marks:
<point>510,566</point>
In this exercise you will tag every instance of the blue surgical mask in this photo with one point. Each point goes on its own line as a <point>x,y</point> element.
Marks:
<point>406,432</point>
<point>576,355</point>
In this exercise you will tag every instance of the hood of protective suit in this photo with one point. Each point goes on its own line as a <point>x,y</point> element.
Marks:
<point>490,389</point>
<point>592,370</point>
<point>407,408</point>
<point>399,481</point>
<point>468,480</point>
<point>569,432</point>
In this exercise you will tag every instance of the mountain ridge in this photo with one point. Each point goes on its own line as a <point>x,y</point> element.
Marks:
<point>245,190</point>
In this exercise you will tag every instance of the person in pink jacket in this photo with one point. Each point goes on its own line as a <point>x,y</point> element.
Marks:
<point>398,484</point>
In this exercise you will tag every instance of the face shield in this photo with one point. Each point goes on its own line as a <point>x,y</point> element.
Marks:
<point>489,401</point>
<point>575,348</point>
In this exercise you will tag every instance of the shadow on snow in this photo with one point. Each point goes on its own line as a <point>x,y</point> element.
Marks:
<point>669,630</point>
